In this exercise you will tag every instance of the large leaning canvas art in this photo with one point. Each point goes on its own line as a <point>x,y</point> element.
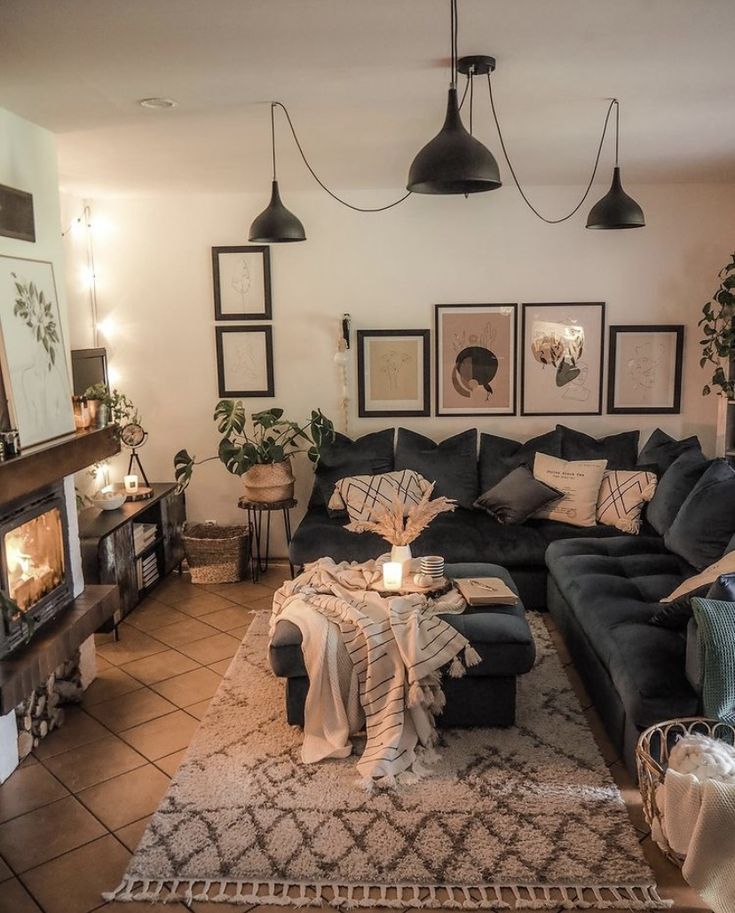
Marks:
<point>475,359</point>
<point>33,354</point>
<point>561,358</point>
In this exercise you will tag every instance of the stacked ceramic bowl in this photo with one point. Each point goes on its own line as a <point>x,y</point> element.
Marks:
<point>433,566</point>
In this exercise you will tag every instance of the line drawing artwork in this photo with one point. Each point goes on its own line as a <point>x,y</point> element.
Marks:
<point>393,366</point>
<point>242,281</point>
<point>247,364</point>
<point>644,369</point>
<point>475,364</point>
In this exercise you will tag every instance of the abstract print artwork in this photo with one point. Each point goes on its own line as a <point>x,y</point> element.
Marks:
<point>245,361</point>
<point>561,359</point>
<point>645,369</point>
<point>393,372</point>
<point>475,359</point>
<point>242,283</point>
<point>33,355</point>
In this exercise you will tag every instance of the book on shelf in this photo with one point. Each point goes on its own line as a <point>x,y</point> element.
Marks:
<point>144,534</point>
<point>146,570</point>
<point>485,591</point>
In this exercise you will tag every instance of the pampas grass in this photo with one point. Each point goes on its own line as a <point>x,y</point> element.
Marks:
<point>399,528</point>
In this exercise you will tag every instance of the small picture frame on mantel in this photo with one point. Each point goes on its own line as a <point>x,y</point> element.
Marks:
<point>245,361</point>
<point>645,369</point>
<point>241,278</point>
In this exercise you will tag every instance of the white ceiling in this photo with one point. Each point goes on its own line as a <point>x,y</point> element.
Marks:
<point>366,85</point>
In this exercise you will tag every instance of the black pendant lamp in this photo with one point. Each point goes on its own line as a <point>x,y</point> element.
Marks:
<point>616,209</point>
<point>276,224</point>
<point>454,161</point>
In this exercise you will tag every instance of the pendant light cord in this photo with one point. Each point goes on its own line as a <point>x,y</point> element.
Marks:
<point>278,104</point>
<point>613,103</point>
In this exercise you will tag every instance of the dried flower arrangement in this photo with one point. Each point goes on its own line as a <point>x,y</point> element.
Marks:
<point>400,527</point>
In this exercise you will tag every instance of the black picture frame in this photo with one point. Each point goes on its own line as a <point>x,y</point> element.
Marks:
<point>362,410</point>
<point>600,386</point>
<point>675,329</point>
<point>17,216</point>
<point>264,251</point>
<point>267,331</point>
<point>513,353</point>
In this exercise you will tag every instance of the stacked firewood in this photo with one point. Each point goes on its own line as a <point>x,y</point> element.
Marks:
<point>43,710</point>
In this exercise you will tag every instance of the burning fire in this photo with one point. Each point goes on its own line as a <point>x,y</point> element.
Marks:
<point>34,559</point>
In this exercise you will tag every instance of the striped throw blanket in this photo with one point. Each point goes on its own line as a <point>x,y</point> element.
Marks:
<point>373,664</point>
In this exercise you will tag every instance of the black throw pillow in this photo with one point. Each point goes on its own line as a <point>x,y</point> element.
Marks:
<point>620,450</point>
<point>451,464</point>
<point>516,497</point>
<point>705,522</point>
<point>500,455</point>
<point>660,451</point>
<point>675,615</point>
<point>371,454</point>
<point>673,488</point>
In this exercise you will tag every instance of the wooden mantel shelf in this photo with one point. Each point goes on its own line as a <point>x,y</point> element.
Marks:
<point>40,466</point>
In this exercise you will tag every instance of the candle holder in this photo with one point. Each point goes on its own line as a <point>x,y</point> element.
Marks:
<point>131,484</point>
<point>393,575</point>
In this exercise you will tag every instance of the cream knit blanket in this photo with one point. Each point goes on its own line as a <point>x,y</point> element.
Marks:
<point>373,662</point>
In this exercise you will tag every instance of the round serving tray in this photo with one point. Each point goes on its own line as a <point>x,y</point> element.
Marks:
<point>441,585</point>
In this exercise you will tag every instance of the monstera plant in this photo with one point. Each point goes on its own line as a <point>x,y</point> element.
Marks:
<point>718,327</point>
<point>260,454</point>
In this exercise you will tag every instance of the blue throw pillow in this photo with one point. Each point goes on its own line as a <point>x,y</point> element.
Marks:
<point>705,522</point>
<point>370,455</point>
<point>451,464</point>
<point>499,456</point>
<point>620,450</point>
<point>673,488</point>
<point>660,451</point>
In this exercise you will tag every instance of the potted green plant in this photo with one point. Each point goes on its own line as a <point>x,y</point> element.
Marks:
<point>262,456</point>
<point>718,325</point>
<point>109,406</point>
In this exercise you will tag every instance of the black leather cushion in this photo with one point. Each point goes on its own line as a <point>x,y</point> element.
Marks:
<point>500,455</point>
<point>371,454</point>
<point>676,615</point>
<point>620,450</point>
<point>612,587</point>
<point>705,522</point>
<point>516,497</point>
<point>451,464</point>
<point>673,488</point>
<point>660,451</point>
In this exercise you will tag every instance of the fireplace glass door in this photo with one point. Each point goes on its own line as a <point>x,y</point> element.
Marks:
<point>34,558</point>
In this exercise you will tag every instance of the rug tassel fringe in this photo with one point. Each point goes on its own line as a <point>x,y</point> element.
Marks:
<point>356,896</point>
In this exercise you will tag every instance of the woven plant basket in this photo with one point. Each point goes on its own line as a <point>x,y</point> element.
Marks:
<point>217,554</point>
<point>652,760</point>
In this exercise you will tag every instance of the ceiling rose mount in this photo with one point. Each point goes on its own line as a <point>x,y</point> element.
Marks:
<point>476,65</point>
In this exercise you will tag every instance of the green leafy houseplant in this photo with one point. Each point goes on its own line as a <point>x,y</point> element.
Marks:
<point>718,325</point>
<point>120,409</point>
<point>272,440</point>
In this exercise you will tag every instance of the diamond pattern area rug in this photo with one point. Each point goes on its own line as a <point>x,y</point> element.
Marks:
<point>521,818</point>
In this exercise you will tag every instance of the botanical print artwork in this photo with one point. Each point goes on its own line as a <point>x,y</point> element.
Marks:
<point>241,283</point>
<point>645,368</point>
<point>245,361</point>
<point>475,359</point>
<point>37,377</point>
<point>562,359</point>
<point>393,372</point>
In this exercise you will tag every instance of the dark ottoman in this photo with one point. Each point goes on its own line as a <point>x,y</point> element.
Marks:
<point>485,696</point>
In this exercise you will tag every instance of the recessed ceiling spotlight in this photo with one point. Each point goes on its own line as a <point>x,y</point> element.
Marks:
<point>157,103</point>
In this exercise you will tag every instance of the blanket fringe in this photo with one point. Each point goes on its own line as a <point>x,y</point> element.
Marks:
<point>355,896</point>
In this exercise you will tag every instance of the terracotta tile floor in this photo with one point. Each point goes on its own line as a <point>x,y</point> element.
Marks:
<point>74,812</point>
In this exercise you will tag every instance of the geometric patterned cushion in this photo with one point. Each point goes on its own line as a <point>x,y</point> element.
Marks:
<point>622,496</point>
<point>361,495</point>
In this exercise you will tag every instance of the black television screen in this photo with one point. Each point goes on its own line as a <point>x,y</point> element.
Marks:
<point>88,366</point>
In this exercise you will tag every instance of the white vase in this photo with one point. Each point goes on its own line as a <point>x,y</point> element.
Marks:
<point>402,554</point>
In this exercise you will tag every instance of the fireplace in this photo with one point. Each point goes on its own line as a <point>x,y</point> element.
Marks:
<point>34,564</point>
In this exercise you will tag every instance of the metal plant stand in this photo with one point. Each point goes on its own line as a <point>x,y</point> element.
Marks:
<point>261,543</point>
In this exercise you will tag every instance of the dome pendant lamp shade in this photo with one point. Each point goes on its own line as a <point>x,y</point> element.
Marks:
<point>276,224</point>
<point>616,209</point>
<point>454,161</point>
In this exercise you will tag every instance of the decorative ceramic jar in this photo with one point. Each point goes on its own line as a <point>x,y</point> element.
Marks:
<point>266,483</point>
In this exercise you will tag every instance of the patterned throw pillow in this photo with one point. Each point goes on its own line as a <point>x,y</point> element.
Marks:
<point>360,496</point>
<point>622,496</point>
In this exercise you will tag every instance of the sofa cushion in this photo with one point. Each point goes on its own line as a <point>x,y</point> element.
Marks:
<point>674,487</point>
<point>451,464</point>
<point>362,496</point>
<point>516,497</point>
<point>677,613</point>
<point>578,480</point>
<point>620,450</point>
<point>705,522</point>
<point>660,451</point>
<point>371,454</point>
<point>500,455</point>
<point>623,494</point>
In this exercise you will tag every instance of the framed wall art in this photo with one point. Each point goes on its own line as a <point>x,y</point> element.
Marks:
<point>475,371</point>
<point>242,283</point>
<point>32,351</point>
<point>645,368</point>
<point>17,219</point>
<point>245,361</point>
<point>562,353</point>
<point>393,373</point>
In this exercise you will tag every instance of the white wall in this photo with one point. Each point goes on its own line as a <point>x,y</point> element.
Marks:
<point>387,270</point>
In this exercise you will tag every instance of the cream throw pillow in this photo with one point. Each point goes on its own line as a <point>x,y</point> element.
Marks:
<point>361,496</point>
<point>622,495</point>
<point>580,482</point>
<point>724,565</point>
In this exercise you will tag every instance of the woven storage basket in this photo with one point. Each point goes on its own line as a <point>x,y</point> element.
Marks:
<point>217,554</point>
<point>652,758</point>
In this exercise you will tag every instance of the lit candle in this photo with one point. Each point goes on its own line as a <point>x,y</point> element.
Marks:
<point>392,575</point>
<point>131,484</point>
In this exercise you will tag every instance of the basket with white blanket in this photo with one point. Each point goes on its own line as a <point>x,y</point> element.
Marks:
<point>652,759</point>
